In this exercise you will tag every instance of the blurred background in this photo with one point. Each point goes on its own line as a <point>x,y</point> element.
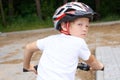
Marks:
<point>32,14</point>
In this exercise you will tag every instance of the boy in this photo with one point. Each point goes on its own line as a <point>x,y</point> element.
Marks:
<point>61,52</point>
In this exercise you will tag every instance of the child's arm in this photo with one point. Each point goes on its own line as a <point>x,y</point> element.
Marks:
<point>94,63</point>
<point>29,50</point>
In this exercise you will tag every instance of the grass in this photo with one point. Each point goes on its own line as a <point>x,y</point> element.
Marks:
<point>110,17</point>
<point>27,23</point>
<point>32,22</point>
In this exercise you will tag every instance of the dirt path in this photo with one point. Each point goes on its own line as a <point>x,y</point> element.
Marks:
<point>12,48</point>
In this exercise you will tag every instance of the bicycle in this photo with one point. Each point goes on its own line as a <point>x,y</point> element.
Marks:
<point>81,66</point>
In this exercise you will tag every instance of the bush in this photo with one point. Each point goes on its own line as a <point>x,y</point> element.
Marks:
<point>27,23</point>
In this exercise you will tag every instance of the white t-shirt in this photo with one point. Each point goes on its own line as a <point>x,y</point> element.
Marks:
<point>60,56</point>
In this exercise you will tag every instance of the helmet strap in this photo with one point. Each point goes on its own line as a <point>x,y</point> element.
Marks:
<point>67,32</point>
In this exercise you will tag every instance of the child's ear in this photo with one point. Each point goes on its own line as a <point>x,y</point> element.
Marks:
<point>63,26</point>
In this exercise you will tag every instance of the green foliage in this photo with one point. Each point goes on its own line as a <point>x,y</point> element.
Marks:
<point>25,17</point>
<point>108,7</point>
<point>89,3</point>
<point>111,17</point>
<point>29,22</point>
<point>48,8</point>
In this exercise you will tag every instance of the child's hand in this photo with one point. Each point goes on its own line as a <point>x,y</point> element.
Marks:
<point>102,69</point>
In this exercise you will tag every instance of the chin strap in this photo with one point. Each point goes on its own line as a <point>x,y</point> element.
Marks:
<point>67,32</point>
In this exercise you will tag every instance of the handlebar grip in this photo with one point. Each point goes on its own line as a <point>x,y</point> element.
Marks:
<point>102,69</point>
<point>25,70</point>
<point>83,66</point>
<point>36,67</point>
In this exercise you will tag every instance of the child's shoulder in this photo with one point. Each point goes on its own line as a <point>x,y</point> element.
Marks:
<point>52,36</point>
<point>65,37</point>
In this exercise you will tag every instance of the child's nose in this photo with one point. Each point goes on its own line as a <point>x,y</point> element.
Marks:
<point>84,28</point>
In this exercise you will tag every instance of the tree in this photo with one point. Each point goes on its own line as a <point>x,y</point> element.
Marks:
<point>97,5</point>
<point>97,9</point>
<point>38,9</point>
<point>75,0</point>
<point>65,1</point>
<point>2,14</point>
<point>11,9</point>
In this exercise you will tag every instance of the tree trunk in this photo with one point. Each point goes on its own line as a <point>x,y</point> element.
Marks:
<point>38,9</point>
<point>11,9</point>
<point>2,14</point>
<point>97,9</point>
<point>97,2</point>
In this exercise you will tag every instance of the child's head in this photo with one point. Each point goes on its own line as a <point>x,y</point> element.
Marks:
<point>71,15</point>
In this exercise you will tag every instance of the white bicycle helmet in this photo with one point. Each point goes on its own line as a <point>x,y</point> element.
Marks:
<point>70,11</point>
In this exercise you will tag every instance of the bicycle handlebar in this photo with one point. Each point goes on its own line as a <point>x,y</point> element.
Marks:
<point>82,66</point>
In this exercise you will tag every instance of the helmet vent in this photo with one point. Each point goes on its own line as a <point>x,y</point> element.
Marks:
<point>77,6</point>
<point>60,11</point>
<point>68,6</point>
<point>70,10</point>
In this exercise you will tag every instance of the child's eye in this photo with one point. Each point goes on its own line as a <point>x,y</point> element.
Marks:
<point>87,26</point>
<point>80,24</point>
